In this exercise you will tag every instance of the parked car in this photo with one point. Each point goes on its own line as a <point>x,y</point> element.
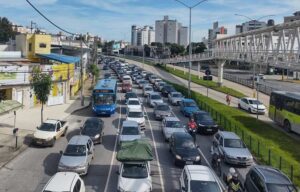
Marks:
<point>205,124</point>
<point>136,115</point>
<point>232,148</point>
<point>171,125</point>
<point>93,127</point>
<point>188,107</point>
<point>147,90</point>
<point>167,89</point>
<point>199,178</point>
<point>49,132</point>
<point>130,95</point>
<point>161,110</point>
<point>153,98</point>
<point>65,181</point>
<point>134,103</point>
<point>130,131</point>
<point>267,179</point>
<point>78,155</point>
<point>251,105</point>
<point>175,97</point>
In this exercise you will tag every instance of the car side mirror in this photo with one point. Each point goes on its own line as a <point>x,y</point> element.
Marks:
<point>61,152</point>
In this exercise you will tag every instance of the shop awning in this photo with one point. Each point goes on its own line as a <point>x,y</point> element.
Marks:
<point>60,58</point>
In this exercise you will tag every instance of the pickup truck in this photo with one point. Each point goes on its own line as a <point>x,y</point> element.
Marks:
<point>49,132</point>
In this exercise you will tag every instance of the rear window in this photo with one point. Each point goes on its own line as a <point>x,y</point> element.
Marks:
<point>155,97</point>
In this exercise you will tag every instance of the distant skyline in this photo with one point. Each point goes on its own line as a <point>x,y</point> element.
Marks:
<point>112,19</point>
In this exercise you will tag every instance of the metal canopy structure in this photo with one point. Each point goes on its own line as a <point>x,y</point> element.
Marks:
<point>60,58</point>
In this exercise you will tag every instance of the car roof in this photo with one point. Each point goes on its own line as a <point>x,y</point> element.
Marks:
<point>228,135</point>
<point>51,121</point>
<point>61,181</point>
<point>154,93</point>
<point>126,76</point>
<point>188,100</point>
<point>135,109</point>
<point>200,173</point>
<point>201,112</point>
<point>79,140</point>
<point>175,92</point>
<point>129,123</point>
<point>171,119</point>
<point>133,99</point>
<point>272,175</point>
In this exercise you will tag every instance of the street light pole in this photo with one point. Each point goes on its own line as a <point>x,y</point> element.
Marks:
<point>81,72</point>
<point>144,57</point>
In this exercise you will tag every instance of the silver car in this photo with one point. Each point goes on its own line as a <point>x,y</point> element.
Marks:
<point>130,131</point>
<point>147,90</point>
<point>171,125</point>
<point>175,97</point>
<point>161,110</point>
<point>78,155</point>
<point>153,98</point>
<point>232,148</point>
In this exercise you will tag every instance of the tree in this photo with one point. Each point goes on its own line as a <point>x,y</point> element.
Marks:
<point>6,30</point>
<point>197,47</point>
<point>41,84</point>
<point>176,49</point>
<point>147,50</point>
<point>94,70</point>
<point>157,44</point>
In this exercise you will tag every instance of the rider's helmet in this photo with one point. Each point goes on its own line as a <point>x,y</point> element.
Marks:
<point>232,171</point>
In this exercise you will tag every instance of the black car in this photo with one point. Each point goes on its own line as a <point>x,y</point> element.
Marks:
<point>130,95</point>
<point>167,89</point>
<point>183,149</point>
<point>107,75</point>
<point>93,127</point>
<point>205,124</point>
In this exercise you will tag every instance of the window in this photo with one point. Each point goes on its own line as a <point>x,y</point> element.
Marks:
<point>43,45</point>
<point>257,181</point>
<point>77,186</point>
<point>30,47</point>
<point>297,107</point>
<point>289,105</point>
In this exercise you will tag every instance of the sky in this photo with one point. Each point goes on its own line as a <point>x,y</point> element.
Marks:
<point>112,19</point>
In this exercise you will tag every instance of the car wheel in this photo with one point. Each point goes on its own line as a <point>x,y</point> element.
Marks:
<point>287,125</point>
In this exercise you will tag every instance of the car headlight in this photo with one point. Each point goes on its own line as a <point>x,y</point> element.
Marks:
<point>198,158</point>
<point>49,138</point>
<point>201,125</point>
<point>97,136</point>
<point>178,157</point>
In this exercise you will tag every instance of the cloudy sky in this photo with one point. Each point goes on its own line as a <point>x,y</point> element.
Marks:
<point>112,19</point>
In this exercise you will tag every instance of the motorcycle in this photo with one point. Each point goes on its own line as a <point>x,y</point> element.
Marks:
<point>192,131</point>
<point>216,164</point>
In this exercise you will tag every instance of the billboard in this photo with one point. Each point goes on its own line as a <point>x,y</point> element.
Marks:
<point>14,75</point>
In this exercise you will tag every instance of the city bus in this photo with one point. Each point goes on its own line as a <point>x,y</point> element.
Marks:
<point>104,97</point>
<point>285,110</point>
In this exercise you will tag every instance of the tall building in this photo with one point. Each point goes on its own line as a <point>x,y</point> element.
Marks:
<point>295,17</point>
<point>170,31</point>
<point>212,33</point>
<point>142,36</point>
<point>249,26</point>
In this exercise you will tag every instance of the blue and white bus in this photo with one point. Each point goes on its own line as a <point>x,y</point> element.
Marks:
<point>104,97</point>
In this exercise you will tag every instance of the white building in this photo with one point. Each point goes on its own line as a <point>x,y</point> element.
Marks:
<point>142,36</point>
<point>249,26</point>
<point>295,17</point>
<point>183,36</point>
<point>212,33</point>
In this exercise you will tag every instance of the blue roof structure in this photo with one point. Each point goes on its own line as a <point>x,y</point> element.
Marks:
<point>60,58</point>
<point>106,84</point>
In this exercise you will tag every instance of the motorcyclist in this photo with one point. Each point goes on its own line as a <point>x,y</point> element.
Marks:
<point>230,174</point>
<point>234,184</point>
<point>192,126</point>
<point>215,154</point>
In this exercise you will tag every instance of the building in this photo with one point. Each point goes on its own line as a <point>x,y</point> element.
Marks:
<point>212,33</point>
<point>249,26</point>
<point>142,36</point>
<point>170,31</point>
<point>295,17</point>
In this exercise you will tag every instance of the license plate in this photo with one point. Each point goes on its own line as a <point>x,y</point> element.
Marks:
<point>102,112</point>
<point>209,129</point>
<point>189,162</point>
<point>39,142</point>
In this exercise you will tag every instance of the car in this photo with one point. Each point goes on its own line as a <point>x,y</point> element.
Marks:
<point>65,181</point>
<point>175,97</point>
<point>148,75</point>
<point>105,67</point>
<point>107,75</point>
<point>142,83</point>
<point>258,77</point>
<point>93,127</point>
<point>138,78</point>
<point>130,131</point>
<point>171,125</point>
<point>205,124</point>
<point>130,95</point>
<point>199,178</point>
<point>134,103</point>
<point>267,179</point>
<point>147,90</point>
<point>78,155</point>
<point>153,98</point>
<point>251,105</point>
<point>232,148</point>
<point>136,115</point>
<point>126,87</point>
<point>159,85</point>
<point>126,79</point>
<point>161,110</point>
<point>144,73</point>
<point>167,89</point>
<point>188,107</point>
<point>156,81</point>
<point>183,149</point>
<point>152,78</point>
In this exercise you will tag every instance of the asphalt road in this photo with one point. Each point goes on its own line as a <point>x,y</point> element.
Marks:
<point>31,170</point>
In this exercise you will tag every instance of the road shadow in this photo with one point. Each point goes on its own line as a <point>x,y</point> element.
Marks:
<point>108,142</point>
<point>50,163</point>
<point>86,112</point>
<point>72,133</point>
<point>115,123</point>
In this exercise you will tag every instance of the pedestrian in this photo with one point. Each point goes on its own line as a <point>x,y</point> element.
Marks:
<point>228,99</point>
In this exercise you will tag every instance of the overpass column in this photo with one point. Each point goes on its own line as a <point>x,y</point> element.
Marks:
<point>184,68</point>
<point>220,64</point>
<point>199,67</point>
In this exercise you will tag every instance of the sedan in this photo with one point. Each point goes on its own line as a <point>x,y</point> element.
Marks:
<point>130,131</point>
<point>93,127</point>
<point>183,149</point>
<point>153,98</point>
<point>188,107</point>
<point>129,95</point>
<point>147,90</point>
<point>252,105</point>
<point>205,124</point>
<point>142,83</point>
<point>134,103</point>
<point>175,97</point>
<point>161,110</point>
<point>171,125</point>
<point>167,89</point>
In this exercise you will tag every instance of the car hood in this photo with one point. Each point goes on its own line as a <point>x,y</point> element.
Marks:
<point>72,161</point>
<point>134,106</point>
<point>139,120</point>
<point>44,134</point>
<point>129,137</point>
<point>206,123</point>
<point>162,112</point>
<point>187,152</point>
<point>259,106</point>
<point>156,101</point>
<point>191,109</point>
<point>135,185</point>
<point>237,152</point>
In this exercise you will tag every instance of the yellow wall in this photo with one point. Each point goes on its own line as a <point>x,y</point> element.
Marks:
<point>62,70</point>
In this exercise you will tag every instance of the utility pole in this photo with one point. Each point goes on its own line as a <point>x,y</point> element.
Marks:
<point>31,26</point>
<point>81,71</point>
<point>144,57</point>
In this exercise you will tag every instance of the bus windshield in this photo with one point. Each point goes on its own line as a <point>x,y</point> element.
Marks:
<point>104,99</point>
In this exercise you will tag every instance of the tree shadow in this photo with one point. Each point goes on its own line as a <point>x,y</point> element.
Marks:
<point>50,163</point>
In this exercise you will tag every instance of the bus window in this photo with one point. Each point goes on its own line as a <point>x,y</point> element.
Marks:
<point>297,107</point>
<point>279,102</point>
<point>289,105</point>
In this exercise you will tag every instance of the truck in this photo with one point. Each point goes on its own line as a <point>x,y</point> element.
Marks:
<point>134,173</point>
<point>49,131</point>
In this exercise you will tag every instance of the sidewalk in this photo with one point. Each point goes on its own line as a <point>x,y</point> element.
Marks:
<point>28,119</point>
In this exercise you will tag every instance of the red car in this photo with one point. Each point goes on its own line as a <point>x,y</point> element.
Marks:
<point>126,87</point>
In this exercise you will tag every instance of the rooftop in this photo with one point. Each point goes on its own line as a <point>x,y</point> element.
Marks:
<point>60,58</point>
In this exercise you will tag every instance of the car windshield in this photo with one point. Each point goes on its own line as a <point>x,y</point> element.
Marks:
<point>133,102</point>
<point>204,186</point>
<point>185,143</point>
<point>148,89</point>
<point>75,150</point>
<point>126,79</point>
<point>104,99</point>
<point>254,102</point>
<point>280,188</point>
<point>177,95</point>
<point>155,97</point>
<point>234,143</point>
<point>190,104</point>
<point>135,171</point>
<point>203,117</point>
<point>130,131</point>
<point>47,127</point>
<point>131,95</point>
<point>174,124</point>
<point>163,108</point>
<point>135,114</point>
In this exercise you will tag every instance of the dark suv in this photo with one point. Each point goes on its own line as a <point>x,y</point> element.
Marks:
<point>268,179</point>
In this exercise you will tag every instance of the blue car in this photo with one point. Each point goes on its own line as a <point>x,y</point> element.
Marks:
<point>188,107</point>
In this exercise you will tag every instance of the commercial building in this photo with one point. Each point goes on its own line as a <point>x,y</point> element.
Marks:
<point>212,33</point>
<point>142,36</point>
<point>295,17</point>
<point>249,26</point>
<point>170,31</point>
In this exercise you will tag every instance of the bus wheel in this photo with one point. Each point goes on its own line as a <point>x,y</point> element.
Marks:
<point>287,126</point>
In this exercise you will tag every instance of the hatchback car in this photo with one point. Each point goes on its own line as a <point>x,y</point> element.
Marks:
<point>136,115</point>
<point>183,149</point>
<point>161,110</point>
<point>268,179</point>
<point>232,148</point>
<point>130,95</point>
<point>199,178</point>
<point>171,125</point>
<point>65,181</point>
<point>188,107</point>
<point>93,127</point>
<point>252,105</point>
<point>154,98</point>
<point>130,131</point>
<point>205,124</point>
<point>147,90</point>
<point>78,155</point>
<point>175,97</point>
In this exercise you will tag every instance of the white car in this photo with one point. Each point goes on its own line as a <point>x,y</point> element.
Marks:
<point>135,176</point>
<point>134,103</point>
<point>136,115</point>
<point>153,98</point>
<point>126,79</point>
<point>175,98</point>
<point>130,131</point>
<point>251,105</point>
<point>65,181</point>
<point>156,81</point>
<point>147,89</point>
<point>199,178</point>
<point>171,125</point>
